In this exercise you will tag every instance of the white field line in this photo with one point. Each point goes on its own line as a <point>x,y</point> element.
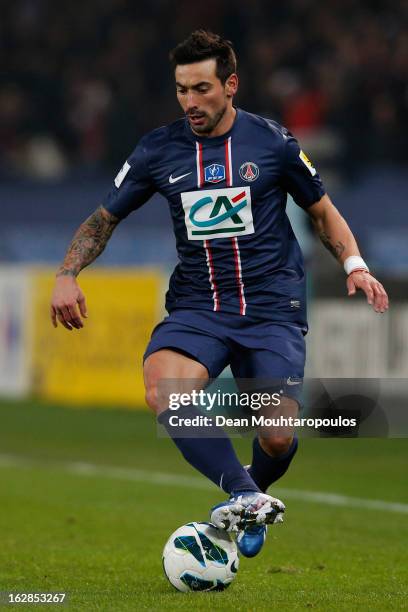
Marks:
<point>163,478</point>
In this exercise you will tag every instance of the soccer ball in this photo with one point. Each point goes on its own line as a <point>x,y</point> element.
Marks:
<point>200,557</point>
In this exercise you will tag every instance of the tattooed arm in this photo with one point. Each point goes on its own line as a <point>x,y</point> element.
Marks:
<point>333,230</point>
<point>87,244</point>
<point>338,238</point>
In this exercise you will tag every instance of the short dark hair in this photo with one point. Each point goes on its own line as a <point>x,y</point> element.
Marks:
<point>202,45</point>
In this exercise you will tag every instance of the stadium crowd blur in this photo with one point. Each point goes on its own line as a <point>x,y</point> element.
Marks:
<point>81,83</point>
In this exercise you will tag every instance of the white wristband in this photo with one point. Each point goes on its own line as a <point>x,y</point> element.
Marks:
<point>354,262</point>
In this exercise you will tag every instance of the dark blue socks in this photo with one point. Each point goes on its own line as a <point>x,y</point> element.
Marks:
<point>209,450</point>
<point>266,469</point>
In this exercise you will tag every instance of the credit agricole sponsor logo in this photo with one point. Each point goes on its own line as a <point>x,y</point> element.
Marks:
<point>218,213</point>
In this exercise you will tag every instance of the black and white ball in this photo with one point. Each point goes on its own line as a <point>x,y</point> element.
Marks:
<point>200,557</point>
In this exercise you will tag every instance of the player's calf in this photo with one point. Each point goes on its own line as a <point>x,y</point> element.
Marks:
<point>266,468</point>
<point>206,448</point>
<point>275,446</point>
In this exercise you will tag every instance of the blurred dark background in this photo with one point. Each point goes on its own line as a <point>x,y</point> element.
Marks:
<point>80,83</point>
<point>83,82</point>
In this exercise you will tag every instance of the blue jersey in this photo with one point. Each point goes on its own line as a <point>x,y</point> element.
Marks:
<point>227,196</point>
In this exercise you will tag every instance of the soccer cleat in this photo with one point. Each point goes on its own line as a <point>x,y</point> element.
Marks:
<point>245,509</point>
<point>251,540</point>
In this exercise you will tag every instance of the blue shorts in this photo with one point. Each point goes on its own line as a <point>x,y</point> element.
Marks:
<point>253,348</point>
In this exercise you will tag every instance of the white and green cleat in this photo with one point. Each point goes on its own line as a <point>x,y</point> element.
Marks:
<point>245,509</point>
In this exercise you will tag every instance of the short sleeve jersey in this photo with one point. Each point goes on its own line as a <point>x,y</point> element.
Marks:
<point>227,197</point>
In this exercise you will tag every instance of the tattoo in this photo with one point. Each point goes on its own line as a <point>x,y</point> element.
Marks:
<point>88,242</point>
<point>335,249</point>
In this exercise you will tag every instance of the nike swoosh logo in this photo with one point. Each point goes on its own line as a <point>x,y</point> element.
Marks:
<point>174,179</point>
<point>291,382</point>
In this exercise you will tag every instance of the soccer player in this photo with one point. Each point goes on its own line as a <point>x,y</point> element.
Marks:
<point>237,295</point>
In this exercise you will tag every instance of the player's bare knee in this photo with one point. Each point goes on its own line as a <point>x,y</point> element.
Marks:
<point>152,398</point>
<point>276,446</point>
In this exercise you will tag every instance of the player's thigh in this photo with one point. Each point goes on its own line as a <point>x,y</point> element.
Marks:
<point>274,366</point>
<point>273,352</point>
<point>168,371</point>
<point>185,350</point>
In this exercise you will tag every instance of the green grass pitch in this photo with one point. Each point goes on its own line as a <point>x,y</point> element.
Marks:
<point>98,533</point>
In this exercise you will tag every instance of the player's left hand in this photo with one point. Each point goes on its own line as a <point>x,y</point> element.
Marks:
<point>376,295</point>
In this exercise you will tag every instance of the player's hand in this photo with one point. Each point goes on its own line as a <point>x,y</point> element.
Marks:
<point>376,295</point>
<point>68,303</point>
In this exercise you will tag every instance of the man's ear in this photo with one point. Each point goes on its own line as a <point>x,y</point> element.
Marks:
<point>231,85</point>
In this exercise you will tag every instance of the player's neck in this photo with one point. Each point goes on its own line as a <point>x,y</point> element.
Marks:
<point>225,124</point>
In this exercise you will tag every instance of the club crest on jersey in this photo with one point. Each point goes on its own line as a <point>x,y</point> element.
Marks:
<point>249,171</point>
<point>218,213</point>
<point>214,173</point>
